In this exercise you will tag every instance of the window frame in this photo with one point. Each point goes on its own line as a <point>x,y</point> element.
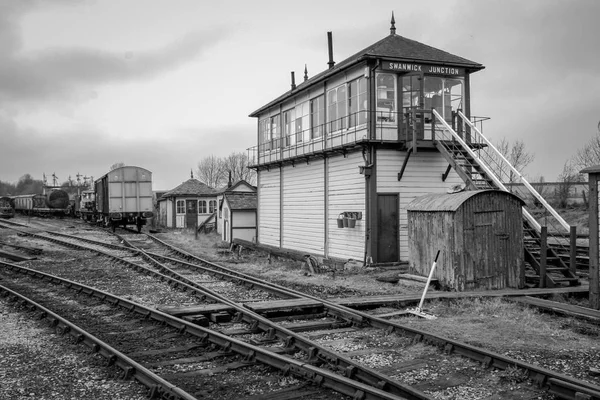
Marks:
<point>180,207</point>
<point>202,206</point>
<point>359,117</point>
<point>317,116</point>
<point>389,117</point>
<point>337,109</point>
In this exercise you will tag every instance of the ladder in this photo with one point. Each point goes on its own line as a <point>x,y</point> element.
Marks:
<point>481,166</point>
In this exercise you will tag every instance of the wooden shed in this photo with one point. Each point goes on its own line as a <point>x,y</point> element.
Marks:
<point>479,233</point>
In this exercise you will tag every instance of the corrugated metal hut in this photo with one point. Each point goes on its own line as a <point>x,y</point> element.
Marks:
<point>479,233</point>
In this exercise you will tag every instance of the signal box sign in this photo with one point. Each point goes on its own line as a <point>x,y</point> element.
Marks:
<point>425,68</point>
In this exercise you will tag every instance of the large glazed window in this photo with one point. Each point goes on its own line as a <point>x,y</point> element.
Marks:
<point>386,97</point>
<point>336,109</point>
<point>275,131</point>
<point>264,135</point>
<point>443,94</point>
<point>317,116</point>
<point>357,102</point>
<point>302,122</point>
<point>212,205</point>
<point>289,128</point>
<point>201,206</point>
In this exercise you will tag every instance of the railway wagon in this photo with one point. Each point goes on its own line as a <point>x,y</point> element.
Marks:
<point>124,197</point>
<point>7,209</point>
<point>56,203</point>
<point>85,206</point>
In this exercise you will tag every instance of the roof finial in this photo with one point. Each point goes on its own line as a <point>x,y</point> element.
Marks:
<point>393,27</point>
<point>191,173</point>
<point>305,73</point>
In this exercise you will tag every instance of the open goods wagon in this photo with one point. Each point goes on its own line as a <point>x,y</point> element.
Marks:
<point>55,203</point>
<point>124,197</point>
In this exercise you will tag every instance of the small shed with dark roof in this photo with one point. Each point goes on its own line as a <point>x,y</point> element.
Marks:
<point>237,212</point>
<point>188,205</point>
<point>479,234</point>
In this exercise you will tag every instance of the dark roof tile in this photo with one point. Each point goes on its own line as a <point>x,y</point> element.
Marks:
<point>191,187</point>
<point>393,47</point>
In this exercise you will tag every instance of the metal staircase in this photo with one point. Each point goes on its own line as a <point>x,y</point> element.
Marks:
<point>482,166</point>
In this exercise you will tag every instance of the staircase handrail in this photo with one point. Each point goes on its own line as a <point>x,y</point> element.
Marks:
<point>521,177</point>
<point>483,166</point>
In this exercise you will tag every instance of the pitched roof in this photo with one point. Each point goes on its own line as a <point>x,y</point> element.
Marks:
<point>392,47</point>
<point>235,185</point>
<point>452,201</point>
<point>242,201</point>
<point>191,187</point>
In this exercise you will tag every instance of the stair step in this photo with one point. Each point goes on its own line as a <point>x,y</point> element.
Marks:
<point>565,279</point>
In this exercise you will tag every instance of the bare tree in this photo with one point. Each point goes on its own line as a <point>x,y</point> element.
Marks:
<point>588,155</point>
<point>116,165</point>
<point>516,154</point>
<point>566,180</point>
<point>211,171</point>
<point>538,183</point>
<point>237,164</point>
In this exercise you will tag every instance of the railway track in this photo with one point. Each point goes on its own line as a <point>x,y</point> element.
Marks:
<point>296,322</point>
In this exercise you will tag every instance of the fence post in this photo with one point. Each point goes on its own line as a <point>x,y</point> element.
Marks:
<point>543,253</point>
<point>573,252</point>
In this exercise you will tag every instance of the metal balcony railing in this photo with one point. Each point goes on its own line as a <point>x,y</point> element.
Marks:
<point>340,133</point>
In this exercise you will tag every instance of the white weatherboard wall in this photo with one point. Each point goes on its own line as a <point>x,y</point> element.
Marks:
<point>346,187</point>
<point>242,225</point>
<point>268,207</point>
<point>423,175</point>
<point>304,207</point>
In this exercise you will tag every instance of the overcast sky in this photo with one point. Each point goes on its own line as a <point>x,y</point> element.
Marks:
<point>163,83</point>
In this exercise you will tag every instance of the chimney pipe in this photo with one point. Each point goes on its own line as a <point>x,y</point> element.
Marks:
<point>331,63</point>
<point>293,80</point>
<point>229,183</point>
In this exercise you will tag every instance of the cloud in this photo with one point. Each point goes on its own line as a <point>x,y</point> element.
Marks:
<point>63,73</point>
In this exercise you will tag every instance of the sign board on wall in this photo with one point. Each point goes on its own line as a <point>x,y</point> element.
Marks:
<point>425,68</point>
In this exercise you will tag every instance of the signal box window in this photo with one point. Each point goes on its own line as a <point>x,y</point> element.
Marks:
<point>357,102</point>
<point>317,116</point>
<point>386,97</point>
<point>336,108</point>
<point>302,122</point>
<point>212,205</point>
<point>180,207</point>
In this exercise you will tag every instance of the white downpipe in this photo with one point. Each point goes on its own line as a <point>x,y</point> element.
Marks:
<point>492,176</point>
<point>521,177</point>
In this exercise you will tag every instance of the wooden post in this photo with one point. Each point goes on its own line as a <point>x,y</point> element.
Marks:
<point>414,130</point>
<point>196,228</point>
<point>433,125</point>
<point>593,177</point>
<point>594,252</point>
<point>543,253</point>
<point>573,252</point>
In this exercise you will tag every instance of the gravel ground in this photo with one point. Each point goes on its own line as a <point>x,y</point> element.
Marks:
<point>38,365</point>
<point>29,368</point>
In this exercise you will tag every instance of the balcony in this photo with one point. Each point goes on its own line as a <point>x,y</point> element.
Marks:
<point>338,135</point>
<point>348,132</point>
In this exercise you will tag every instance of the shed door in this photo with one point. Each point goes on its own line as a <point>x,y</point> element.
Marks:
<point>191,213</point>
<point>491,246</point>
<point>387,228</point>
